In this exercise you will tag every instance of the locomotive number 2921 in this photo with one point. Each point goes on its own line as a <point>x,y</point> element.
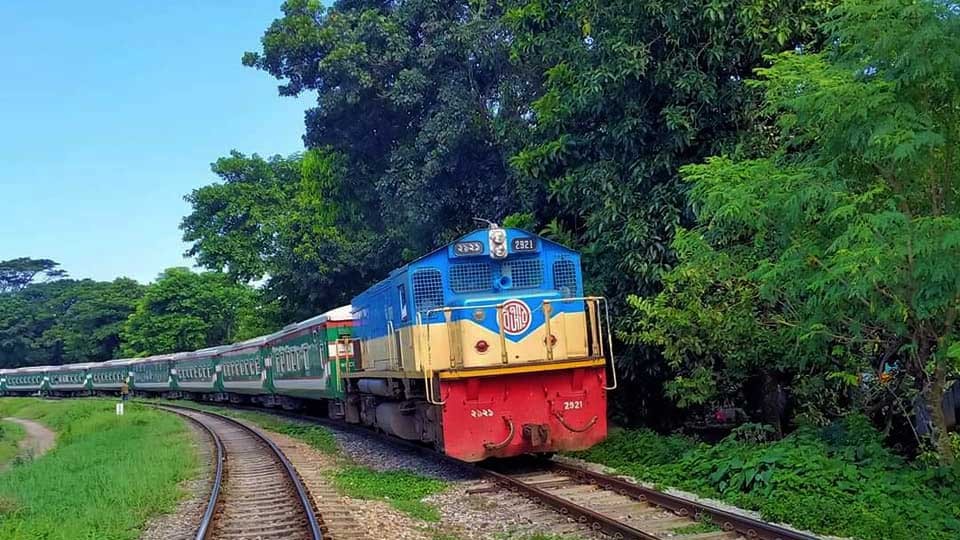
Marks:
<point>571,405</point>
<point>481,413</point>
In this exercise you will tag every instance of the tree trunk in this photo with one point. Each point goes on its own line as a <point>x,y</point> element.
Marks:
<point>773,402</point>
<point>934,399</point>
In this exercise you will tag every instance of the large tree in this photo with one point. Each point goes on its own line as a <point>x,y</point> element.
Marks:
<point>15,274</point>
<point>419,98</point>
<point>849,230</point>
<point>65,321</point>
<point>184,311</point>
<point>295,221</point>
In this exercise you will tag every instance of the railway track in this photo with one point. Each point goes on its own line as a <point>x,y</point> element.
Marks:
<point>627,511</point>
<point>256,493</point>
<point>603,503</point>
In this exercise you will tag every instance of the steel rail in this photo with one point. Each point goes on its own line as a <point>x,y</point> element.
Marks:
<point>728,521</point>
<point>316,532</point>
<point>204,528</point>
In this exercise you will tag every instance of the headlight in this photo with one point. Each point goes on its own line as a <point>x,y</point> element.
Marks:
<point>498,243</point>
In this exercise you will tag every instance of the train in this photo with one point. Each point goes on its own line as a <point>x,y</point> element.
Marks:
<point>484,348</point>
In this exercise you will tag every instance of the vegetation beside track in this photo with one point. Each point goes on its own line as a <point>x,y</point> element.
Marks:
<point>10,435</point>
<point>839,480</point>
<point>105,478</point>
<point>404,490</point>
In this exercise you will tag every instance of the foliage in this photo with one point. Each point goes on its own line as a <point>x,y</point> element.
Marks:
<point>293,220</point>
<point>836,480</point>
<point>185,311</point>
<point>15,274</point>
<point>844,236</point>
<point>105,478</point>
<point>10,435</point>
<point>633,90</point>
<point>65,321</point>
<point>403,489</point>
<point>420,99</point>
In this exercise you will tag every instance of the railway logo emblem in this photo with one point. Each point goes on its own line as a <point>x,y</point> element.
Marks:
<point>516,317</point>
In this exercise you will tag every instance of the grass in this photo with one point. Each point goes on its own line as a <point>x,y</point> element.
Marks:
<point>839,480</point>
<point>104,479</point>
<point>10,435</point>
<point>404,490</point>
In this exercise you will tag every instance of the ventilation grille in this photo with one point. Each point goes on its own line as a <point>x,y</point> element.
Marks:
<point>525,273</point>
<point>565,277</point>
<point>474,277</point>
<point>427,290</point>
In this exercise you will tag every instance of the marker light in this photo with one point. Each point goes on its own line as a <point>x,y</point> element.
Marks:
<point>482,346</point>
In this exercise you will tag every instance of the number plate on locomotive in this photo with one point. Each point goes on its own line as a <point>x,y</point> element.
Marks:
<point>468,248</point>
<point>524,244</point>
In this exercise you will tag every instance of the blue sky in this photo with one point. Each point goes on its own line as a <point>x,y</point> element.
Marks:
<point>112,111</point>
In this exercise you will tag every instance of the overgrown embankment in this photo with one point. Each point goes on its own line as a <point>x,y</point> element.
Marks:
<point>10,436</point>
<point>838,480</point>
<point>106,476</point>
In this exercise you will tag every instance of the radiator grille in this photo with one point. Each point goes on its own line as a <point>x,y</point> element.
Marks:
<point>565,277</point>
<point>525,273</point>
<point>472,277</point>
<point>427,289</point>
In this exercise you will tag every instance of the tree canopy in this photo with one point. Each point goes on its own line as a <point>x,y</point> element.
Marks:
<point>15,274</point>
<point>186,311</point>
<point>844,238</point>
<point>65,321</point>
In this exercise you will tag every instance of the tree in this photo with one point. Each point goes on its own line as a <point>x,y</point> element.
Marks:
<point>419,99</point>
<point>852,224</point>
<point>631,92</point>
<point>65,321</point>
<point>184,311</point>
<point>295,221</point>
<point>15,274</point>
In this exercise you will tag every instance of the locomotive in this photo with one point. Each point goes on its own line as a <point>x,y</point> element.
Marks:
<point>486,347</point>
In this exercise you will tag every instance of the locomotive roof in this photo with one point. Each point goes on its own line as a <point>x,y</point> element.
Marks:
<point>469,236</point>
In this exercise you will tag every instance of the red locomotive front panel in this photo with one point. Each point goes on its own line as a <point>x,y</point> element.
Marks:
<point>524,413</point>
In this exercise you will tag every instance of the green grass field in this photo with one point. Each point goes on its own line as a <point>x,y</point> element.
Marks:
<point>106,476</point>
<point>10,435</point>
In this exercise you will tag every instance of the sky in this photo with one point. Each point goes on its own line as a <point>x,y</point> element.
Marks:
<point>112,111</point>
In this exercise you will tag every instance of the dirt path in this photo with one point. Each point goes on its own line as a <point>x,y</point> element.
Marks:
<point>39,438</point>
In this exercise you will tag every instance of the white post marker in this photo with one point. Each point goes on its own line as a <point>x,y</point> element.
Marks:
<point>120,409</point>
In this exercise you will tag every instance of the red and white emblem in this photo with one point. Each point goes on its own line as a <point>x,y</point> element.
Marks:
<point>516,317</point>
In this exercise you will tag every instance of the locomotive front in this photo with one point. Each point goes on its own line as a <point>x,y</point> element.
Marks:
<point>511,357</point>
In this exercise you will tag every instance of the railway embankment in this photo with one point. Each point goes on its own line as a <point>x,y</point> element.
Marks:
<point>105,477</point>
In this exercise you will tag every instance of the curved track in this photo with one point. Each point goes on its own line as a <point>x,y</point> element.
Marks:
<point>256,493</point>
<point>605,503</point>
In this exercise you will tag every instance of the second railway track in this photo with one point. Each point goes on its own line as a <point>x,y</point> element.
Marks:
<point>256,493</point>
